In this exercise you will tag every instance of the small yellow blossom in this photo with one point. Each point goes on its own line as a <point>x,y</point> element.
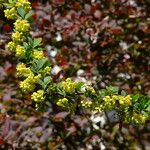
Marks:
<point>86,104</point>
<point>18,37</point>
<point>123,100</point>
<point>111,101</point>
<point>47,70</point>
<point>37,77</point>
<point>23,71</point>
<point>138,118</point>
<point>38,96</point>
<point>20,51</point>
<point>10,13</point>
<point>11,46</point>
<point>25,4</point>
<point>38,54</point>
<point>28,84</point>
<point>68,85</point>
<point>91,89</point>
<point>22,25</point>
<point>62,102</point>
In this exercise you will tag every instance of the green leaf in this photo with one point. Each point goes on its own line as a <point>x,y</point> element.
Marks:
<point>40,82</point>
<point>25,45</point>
<point>30,41</point>
<point>28,15</point>
<point>135,97</point>
<point>21,12</point>
<point>38,65</point>
<point>112,90</point>
<point>123,93</point>
<point>10,1</point>
<point>41,63</point>
<point>37,42</point>
<point>8,5</point>
<point>79,85</point>
<point>47,80</point>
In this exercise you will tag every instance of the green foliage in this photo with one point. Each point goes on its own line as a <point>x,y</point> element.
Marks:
<point>21,12</point>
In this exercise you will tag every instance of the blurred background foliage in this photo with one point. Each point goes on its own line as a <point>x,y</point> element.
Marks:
<point>101,42</point>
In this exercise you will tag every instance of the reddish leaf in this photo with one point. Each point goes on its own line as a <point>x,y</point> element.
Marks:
<point>60,116</point>
<point>1,141</point>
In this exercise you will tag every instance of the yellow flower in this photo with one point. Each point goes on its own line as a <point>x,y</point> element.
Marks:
<point>91,89</point>
<point>11,46</point>
<point>25,4</point>
<point>109,103</point>
<point>18,37</point>
<point>10,13</point>
<point>37,77</point>
<point>123,100</point>
<point>138,118</point>
<point>86,104</point>
<point>20,51</point>
<point>68,85</point>
<point>23,71</point>
<point>62,102</point>
<point>38,96</point>
<point>28,84</point>
<point>22,25</point>
<point>47,70</point>
<point>38,54</point>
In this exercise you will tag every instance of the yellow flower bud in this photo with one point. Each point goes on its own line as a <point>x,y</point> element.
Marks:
<point>20,51</point>
<point>11,46</point>
<point>138,118</point>
<point>23,71</point>
<point>68,85</point>
<point>62,102</point>
<point>47,70</point>
<point>86,104</point>
<point>38,96</point>
<point>28,84</point>
<point>22,25</point>
<point>10,13</point>
<point>91,89</point>
<point>25,4</point>
<point>18,37</point>
<point>38,54</point>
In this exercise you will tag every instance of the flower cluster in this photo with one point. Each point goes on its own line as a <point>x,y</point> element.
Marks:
<point>111,101</point>
<point>47,70</point>
<point>137,118</point>
<point>62,102</point>
<point>11,46</point>
<point>38,96</point>
<point>28,85</point>
<point>20,51</point>
<point>23,71</point>
<point>10,13</point>
<point>68,85</point>
<point>38,54</point>
<point>23,3</point>
<point>87,88</point>
<point>18,37</point>
<point>86,104</point>
<point>22,25</point>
